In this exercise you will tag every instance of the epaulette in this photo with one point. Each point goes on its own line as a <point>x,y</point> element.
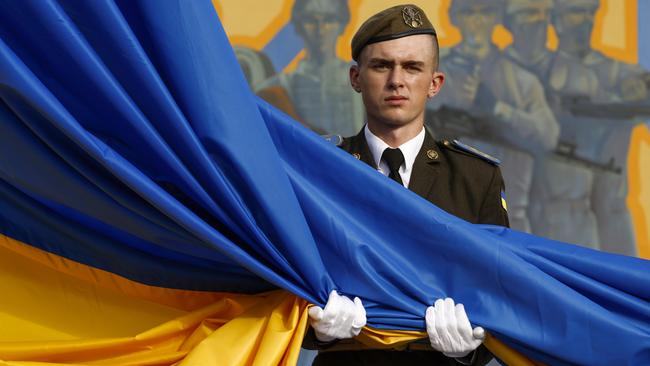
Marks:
<point>334,139</point>
<point>459,146</point>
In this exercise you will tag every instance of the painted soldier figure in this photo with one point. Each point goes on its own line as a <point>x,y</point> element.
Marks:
<point>318,91</point>
<point>512,120</point>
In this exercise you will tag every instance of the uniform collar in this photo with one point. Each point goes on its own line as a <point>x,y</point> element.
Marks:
<point>409,149</point>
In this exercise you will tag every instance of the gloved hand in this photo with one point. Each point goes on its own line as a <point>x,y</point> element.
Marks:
<point>450,331</point>
<point>341,318</point>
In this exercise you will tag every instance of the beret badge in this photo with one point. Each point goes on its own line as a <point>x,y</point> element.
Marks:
<point>412,17</point>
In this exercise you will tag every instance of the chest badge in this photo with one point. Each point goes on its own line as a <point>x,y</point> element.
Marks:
<point>432,154</point>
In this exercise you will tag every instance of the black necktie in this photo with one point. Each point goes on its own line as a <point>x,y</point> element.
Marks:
<point>394,158</point>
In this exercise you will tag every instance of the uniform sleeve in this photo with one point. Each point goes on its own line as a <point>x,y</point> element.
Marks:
<point>494,208</point>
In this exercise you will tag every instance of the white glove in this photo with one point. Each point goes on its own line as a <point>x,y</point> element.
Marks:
<point>450,331</point>
<point>341,318</point>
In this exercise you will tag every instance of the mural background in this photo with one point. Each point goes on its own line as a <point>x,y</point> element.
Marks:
<point>564,104</point>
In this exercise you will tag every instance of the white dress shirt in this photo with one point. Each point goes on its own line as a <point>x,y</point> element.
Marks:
<point>410,150</point>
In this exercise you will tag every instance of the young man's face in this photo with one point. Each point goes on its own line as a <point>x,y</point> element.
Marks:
<point>395,79</point>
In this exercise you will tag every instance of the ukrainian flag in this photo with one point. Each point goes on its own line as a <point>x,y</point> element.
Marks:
<point>153,211</point>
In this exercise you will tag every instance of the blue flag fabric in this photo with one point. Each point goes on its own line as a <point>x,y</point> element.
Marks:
<point>129,141</point>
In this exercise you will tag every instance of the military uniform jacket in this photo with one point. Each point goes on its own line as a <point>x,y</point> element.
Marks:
<point>458,181</point>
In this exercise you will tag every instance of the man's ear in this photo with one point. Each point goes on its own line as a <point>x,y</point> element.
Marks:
<point>437,81</point>
<point>354,78</point>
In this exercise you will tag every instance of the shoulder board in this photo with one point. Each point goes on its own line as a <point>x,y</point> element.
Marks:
<point>334,139</point>
<point>457,145</point>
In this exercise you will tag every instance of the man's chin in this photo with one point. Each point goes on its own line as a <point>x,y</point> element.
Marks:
<point>396,121</point>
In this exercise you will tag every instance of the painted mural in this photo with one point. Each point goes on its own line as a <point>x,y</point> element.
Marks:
<point>556,90</point>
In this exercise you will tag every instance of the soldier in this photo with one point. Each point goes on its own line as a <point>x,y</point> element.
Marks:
<point>515,120</point>
<point>319,89</point>
<point>396,72</point>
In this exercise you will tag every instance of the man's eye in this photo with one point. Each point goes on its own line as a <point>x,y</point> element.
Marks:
<point>380,67</point>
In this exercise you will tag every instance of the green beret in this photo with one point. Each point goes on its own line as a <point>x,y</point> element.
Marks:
<point>392,23</point>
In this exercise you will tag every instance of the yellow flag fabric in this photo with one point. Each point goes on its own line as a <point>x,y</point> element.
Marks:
<point>378,338</point>
<point>59,312</point>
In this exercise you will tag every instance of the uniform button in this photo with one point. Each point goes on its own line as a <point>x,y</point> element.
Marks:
<point>357,156</point>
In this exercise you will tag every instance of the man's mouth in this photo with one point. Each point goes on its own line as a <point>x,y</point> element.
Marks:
<point>396,99</point>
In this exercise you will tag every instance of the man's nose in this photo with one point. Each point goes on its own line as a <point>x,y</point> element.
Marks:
<point>396,78</point>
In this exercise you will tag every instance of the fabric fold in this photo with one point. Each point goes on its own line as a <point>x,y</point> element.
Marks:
<point>131,144</point>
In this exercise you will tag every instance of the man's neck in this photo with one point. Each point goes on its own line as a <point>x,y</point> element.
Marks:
<point>395,136</point>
